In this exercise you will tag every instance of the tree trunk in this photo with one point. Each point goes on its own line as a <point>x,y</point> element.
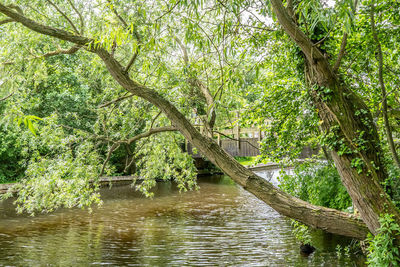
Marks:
<point>358,160</point>
<point>353,137</point>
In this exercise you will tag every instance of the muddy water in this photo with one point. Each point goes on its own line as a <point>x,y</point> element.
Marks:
<point>219,225</point>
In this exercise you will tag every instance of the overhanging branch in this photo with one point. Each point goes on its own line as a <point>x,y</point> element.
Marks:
<point>5,21</point>
<point>150,132</point>
<point>115,101</point>
<point>117,144</point>
<point>59,51</point>
<point>6,97</point>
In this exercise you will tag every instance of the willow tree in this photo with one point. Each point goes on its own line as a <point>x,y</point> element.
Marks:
<point>135,28</point>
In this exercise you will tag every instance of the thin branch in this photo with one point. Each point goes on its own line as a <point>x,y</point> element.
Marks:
<point>6,97</point>
<point>121,19</point>
<point>114,47</point>
<point>341,53</point>
<point>353,60</point>
<point>168,11</point>
<point>394,113</point>
<point>17,8</point>
<point>47,30</point>
<point>326,36</point>
<point>290,8</point>
<point>195,82</point>
<point>389,134</point>
<point>313,54</point>
<point>115,101</point>
<point>80,16</point>
<point>154,119</point>
<point>133,59</point>
<point>85,131</point>
<point>128,165</point>
<point>184,50</point>
<point>59,51</point>
<point>117,144</point>
<point>151,132</point>
<point>137,36</point>
<point>5,21</point>
<point>114,147</point>
<point>64,15</point>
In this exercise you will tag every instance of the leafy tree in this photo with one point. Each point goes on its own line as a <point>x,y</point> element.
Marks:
<point>226,46</point>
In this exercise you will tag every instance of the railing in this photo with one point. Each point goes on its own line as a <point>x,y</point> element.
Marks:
<point>238,142</point>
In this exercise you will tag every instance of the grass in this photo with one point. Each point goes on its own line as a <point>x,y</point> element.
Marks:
<point>5,181</point>
<point>246,161</point>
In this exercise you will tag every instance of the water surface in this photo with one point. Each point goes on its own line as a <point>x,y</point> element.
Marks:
<point>219,225</point>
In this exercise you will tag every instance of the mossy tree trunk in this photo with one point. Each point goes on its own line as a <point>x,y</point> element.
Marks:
<point>350,131</point>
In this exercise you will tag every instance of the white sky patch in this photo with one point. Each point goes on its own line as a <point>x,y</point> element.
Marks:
<point>330,3</point>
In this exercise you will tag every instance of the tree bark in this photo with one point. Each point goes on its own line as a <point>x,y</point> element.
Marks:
<point>331,220</point>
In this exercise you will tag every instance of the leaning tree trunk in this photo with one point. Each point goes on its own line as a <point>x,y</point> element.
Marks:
<point>350,131</point>
<point>331,220</point>
<point>354,144</point>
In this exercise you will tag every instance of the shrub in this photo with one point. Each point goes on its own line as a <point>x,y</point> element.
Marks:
<point>382,250</point>
<point>318,183</point>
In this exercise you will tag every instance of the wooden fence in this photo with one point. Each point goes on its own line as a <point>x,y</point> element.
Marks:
<point>248,147</point>
<point>243,142</point>
<point>238,142</point>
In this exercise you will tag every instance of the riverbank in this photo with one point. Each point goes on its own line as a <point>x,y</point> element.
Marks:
<point>122,180</point>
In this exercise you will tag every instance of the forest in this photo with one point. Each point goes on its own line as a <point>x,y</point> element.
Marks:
<point>92,89</point>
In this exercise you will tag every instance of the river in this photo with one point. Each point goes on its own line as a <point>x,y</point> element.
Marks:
<point>219,225</point>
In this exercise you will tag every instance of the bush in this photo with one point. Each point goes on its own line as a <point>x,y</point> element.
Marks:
<point>318,183</point>
<point>393,183</point>
<point>382,250</point>
<point>14,152</point>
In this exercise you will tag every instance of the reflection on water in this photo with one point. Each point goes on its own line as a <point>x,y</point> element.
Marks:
<point>221,224</point>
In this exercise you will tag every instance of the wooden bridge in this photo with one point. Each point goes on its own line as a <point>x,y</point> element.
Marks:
<point>243,142</point>
<point>238,142</point>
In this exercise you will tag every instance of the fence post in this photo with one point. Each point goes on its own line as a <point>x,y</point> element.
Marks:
<point>238,132</point>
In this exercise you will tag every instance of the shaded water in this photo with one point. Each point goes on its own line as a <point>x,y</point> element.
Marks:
<point>219,225</point>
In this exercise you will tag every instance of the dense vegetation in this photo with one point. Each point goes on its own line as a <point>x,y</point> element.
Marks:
<point>115,87</point>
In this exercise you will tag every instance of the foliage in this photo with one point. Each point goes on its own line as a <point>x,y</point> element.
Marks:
<point>318,183</point>
<point>63,181</point>
<point>280,104</point>
<point>301,232</point>
<point>246,160</point>
<point>382,250</point>
<point>61,171</point>
<point>12,159</point>
<point>162,158</point>
<point>393,182</point>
